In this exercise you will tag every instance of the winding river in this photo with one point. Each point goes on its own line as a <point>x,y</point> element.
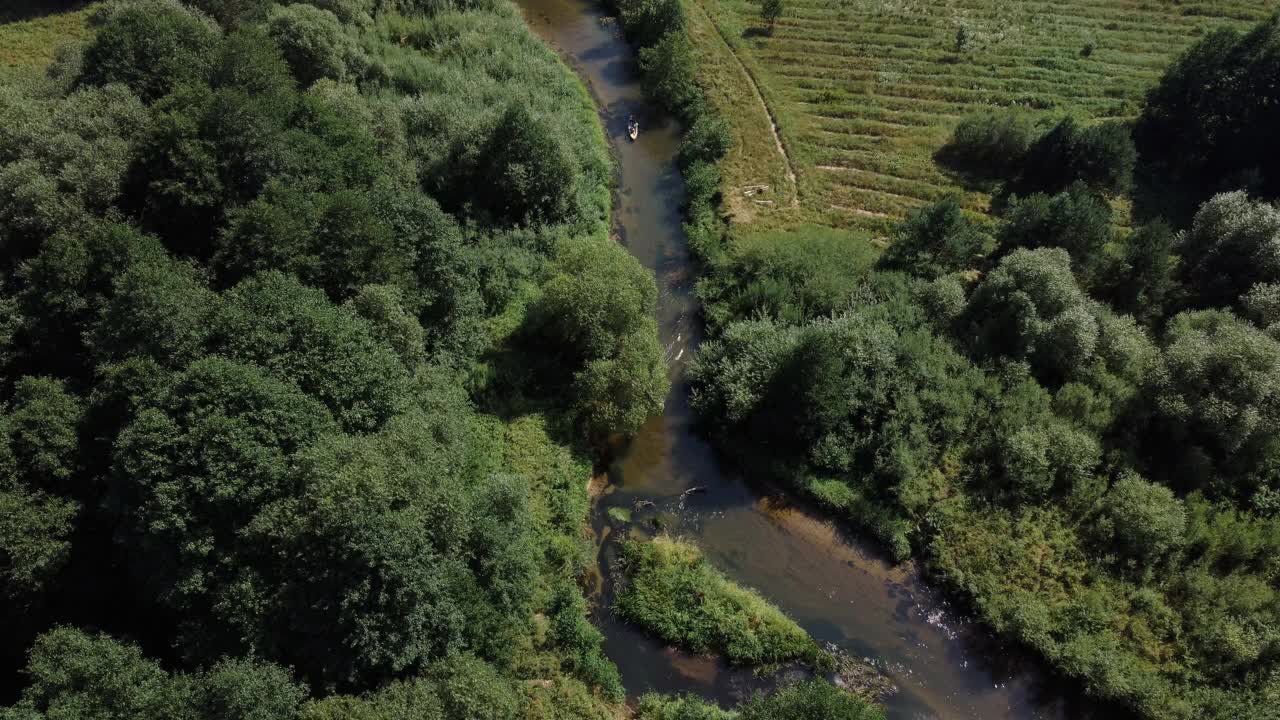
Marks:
<point>839,588</point>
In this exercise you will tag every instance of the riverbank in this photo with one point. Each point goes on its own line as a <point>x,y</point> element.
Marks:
<point>839,591</point>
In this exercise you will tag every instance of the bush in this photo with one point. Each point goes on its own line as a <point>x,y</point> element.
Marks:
<point>992,143</point>
<point>674,593</point>
<point>1100,156</point>
<point>647,21</point>
<point>669,75</point>
<point>1228,249</point>
<point>152,47</point>
<point>705,141</point>
<point>528,174</point>
<point>937,240</point>
<point>1077,221</point>
<point>315,44</point>
<point>810,700</point>
<point>1142,520</point>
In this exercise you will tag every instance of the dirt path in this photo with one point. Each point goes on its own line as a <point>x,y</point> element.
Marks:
<point>755,89</point>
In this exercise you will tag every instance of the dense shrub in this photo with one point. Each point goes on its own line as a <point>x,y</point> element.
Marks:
<point>670,75</point>
<point>152,47</point>
<point>791,276</point>
<point>674,593</point>
<point>1229,249</point>
<point>236,327</point>
<point>647,21</point>
<point>1100,156</point>
<point>991,144</point>
<point>1204,126</point>
<point>1076,221</point>
<point>937,240</point>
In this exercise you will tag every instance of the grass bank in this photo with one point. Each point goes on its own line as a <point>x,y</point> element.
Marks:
<point>674,593</point>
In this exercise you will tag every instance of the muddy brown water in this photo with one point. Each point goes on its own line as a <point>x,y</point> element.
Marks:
<point>839,588</point>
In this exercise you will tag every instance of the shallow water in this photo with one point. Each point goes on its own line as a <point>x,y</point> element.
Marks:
<point>840,589</point>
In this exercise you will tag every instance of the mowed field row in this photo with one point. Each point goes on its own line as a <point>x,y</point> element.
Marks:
<point>866,91</point>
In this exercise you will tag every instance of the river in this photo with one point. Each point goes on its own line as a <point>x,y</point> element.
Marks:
<point>837,587</point>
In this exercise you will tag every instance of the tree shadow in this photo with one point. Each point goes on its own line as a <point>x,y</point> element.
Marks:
<point>756,31</point>
<point>19,10</point>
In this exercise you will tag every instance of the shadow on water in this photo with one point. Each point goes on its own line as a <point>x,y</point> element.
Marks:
<point>840,589</point>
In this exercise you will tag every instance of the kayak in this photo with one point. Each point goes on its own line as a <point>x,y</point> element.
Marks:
<point>633,131</point>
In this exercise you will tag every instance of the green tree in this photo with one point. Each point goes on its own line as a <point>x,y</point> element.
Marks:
<point>1100,156</point>
<point>992,143</point>
<point>231,14</point>
<point>384,529</point>
<point>159,308</point>
<point>647,21</point>
<point>770,11</point>
<point>1204,125</point>
<point>1214,396</point>
<point>1144,282</point>
<point>1142,520</point>
<point>195,469</point>
<point>529,172</point>
<point>43,430</point>
<point>597,311</point>
<point>35,539</point>
<point>329,351</point>
<point>152,47</point>
<point>315,44</point>
<point>1228,249</point>
<point>78,676</point>
<point>383,307</point>
<point>1076,220</point>
<point>937,240</point>
<point>669,73</point>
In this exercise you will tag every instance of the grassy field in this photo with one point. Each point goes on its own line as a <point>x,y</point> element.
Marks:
<point>31,31</point>
<point>864,92</point>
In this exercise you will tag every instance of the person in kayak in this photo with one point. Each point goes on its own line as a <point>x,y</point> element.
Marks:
<point>633,127</point>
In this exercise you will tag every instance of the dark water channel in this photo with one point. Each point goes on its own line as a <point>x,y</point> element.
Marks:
<point>841,590</point>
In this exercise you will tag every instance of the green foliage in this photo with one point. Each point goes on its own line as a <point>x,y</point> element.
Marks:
<point>1144,520</point>
<point>991,144</point>
<point>1144,283</point>
<point>251,319</point>
<point>1101,157</point>
<point>809,700</point>
<point>664,707</point>
<point>647,21</point>
<point>669,73</point>
<point>76,676</point>
<point>1076,220</point>
<point>1030,308</point>
<point>1214,400</point>
<point>598,311</point>
<point>1203,124</point>
<point>43,433</point>
<point>674,593</point>
<point>528,173</point>
<point>770,11</point>
<point>315,44</point>
<point>232,14</point>
<point>330,352</point>
<point>1227,249</point>
<point>937,240</point>
<point>152,47</point>
<point>790,276</point>
<point>706,141</point>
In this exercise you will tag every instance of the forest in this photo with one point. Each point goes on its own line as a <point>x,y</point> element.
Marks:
<point>297,421</point>
<point>1064,409</point>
